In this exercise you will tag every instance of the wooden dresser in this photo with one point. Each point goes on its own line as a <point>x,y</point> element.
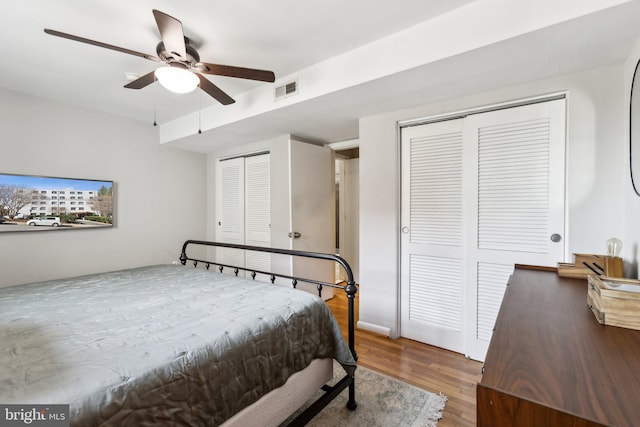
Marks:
<point>550,363</point>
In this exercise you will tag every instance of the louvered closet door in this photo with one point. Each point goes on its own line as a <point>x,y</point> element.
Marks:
<point>244,209</point>
<point>258,210</point>
<point>518,198</point>
<point>432,244</point>
<point>230,207</point>
<point>479,194</point>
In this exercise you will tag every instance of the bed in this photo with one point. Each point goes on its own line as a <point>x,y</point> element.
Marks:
<point>180,344</point>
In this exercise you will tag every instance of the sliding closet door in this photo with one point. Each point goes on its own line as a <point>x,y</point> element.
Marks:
<point>432,244</point>
<point>257,210</point>
<point>243,209</point>
<point>479,194</point>
<point>518,195</point>
<point>230,209</point>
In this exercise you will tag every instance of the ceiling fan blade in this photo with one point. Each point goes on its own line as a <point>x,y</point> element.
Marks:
<point>100,44</point>
<point>239,72</point>
<point>214,91</point>
<point>143,81</point>
<point>172,34</point>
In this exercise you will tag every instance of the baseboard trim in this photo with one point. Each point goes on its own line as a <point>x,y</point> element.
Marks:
<point>374,328</point>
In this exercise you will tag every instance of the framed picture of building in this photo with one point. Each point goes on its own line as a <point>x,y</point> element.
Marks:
<point>37,203</point>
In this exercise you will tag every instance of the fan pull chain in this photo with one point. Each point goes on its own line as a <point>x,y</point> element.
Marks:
<point>199,113</point>
<point>155,113</point>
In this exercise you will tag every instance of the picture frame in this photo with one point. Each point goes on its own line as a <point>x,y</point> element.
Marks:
<point>32,203</point>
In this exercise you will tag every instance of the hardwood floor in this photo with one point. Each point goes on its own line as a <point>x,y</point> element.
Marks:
<point>424,366</point>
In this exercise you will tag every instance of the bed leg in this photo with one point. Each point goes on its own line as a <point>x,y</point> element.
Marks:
<point>352,404</point>
<point>351,289</point>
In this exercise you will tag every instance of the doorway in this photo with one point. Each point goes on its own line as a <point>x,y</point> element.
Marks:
<point>347,209</point>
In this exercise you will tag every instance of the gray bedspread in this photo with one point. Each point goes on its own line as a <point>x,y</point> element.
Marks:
<point>158,345</point>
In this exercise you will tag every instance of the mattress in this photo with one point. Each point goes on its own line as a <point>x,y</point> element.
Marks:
<point>159,344</point>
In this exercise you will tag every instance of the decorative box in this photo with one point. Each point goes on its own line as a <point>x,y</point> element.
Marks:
<point>586,264</point>
<point>614,301</point>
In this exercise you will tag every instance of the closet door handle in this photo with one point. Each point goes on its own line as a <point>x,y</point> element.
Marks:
<point>294,235</point>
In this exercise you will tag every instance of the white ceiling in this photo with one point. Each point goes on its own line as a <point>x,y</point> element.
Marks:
<point>283,36</point>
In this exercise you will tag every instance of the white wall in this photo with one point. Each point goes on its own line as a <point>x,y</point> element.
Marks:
<point>597,183</point>
<point>160,191</point>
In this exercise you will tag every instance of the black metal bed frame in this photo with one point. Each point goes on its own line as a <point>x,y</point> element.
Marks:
<point>330,392</point>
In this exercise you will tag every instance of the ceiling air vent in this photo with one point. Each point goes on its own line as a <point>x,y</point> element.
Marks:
<point>286,90</point>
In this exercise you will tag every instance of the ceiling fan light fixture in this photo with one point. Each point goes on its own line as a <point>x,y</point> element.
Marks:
<point>183,71</point>
<point>176,79</point>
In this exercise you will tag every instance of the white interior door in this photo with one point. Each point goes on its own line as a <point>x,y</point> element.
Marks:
<point>341,216</point>
<point>432,245</point>
<point>230,208</point>
<point>258,210</point>
<point>243,209</point>
<point>349,238</point>
<point>312,213</point>
<point>479,194</point>
<point>518,193</point>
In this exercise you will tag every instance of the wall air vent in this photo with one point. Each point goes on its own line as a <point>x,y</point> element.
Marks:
<point>286,90</point>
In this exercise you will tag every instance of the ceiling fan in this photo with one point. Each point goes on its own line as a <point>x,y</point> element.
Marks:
<point>184,71</point>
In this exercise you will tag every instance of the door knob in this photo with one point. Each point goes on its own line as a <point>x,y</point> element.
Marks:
<point>405,230</point>
<point>555,237</point>
<point>294,235</point>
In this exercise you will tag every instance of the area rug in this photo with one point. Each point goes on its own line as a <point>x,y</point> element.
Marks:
<point>382,402</point>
